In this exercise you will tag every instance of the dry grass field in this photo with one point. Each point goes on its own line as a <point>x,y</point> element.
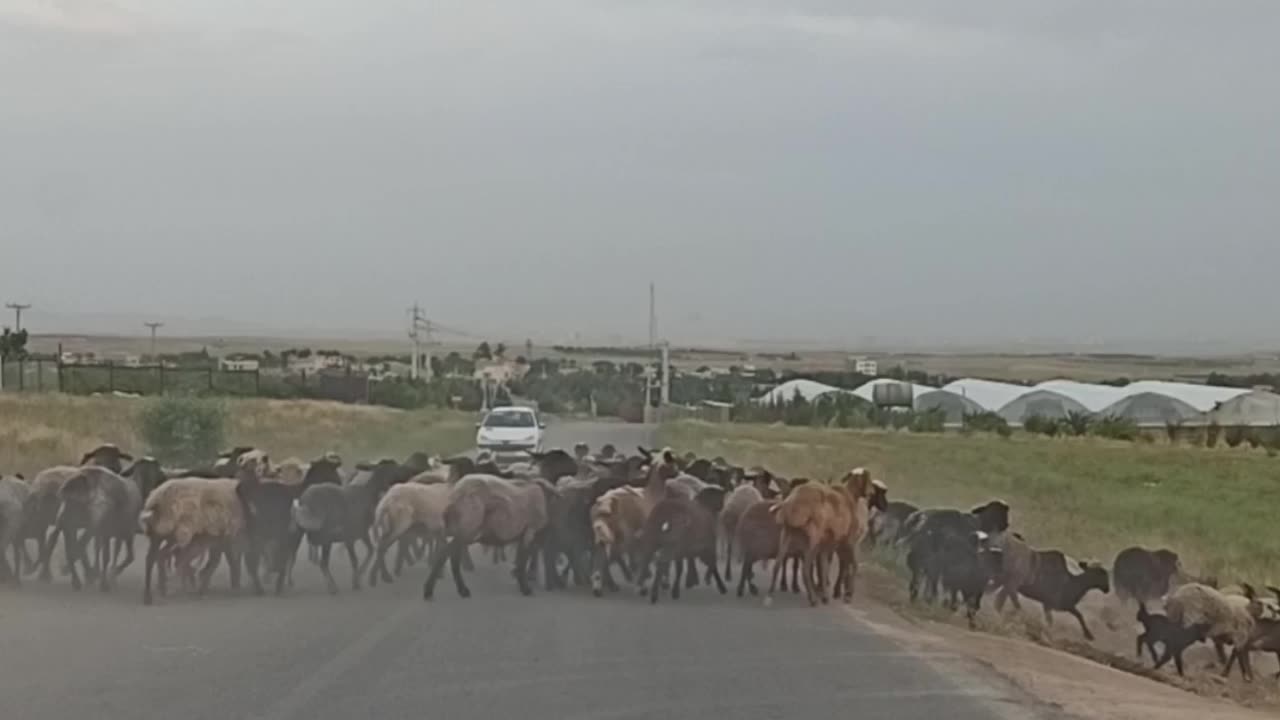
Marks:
<point>40,430</point>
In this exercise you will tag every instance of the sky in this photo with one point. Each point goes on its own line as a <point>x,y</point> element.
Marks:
<point>845,172</point>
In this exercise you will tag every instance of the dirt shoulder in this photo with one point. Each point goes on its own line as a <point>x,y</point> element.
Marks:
<point>1062,682</point>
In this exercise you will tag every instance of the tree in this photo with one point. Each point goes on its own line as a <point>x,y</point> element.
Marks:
<point>13,345</point>
<point>482,351</point>
<point>500,350</point>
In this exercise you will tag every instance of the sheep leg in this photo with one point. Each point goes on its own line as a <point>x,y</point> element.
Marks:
<point>1080,619</point>
<point>744,575</point>
<point>149,564</point>
<point>1219,647</point>
<point>405,554</point>
<point>849,568</point>
<point>356,567</point>
<point>19,554</point>
<point>288,553</point>
<point>325,548</point>
<point>728,557</point>
<point>659,577</point>
<point>47,542</point>
<point>784,546</point>
<point>437,566</point>
<point>455,569</point>
<point>210,566</point>
<point>690,573</point>
<point>797,564</point>
<point>104,547</point>
<point>810,561</point>
<point>467,563</point>
<point>380,565</point>
<point>710,561</point>
<point>252,563</point>
<point>69,549</point>
<point>599,569</point>
<point>682,571</point>
<point>26,556</point>
<point>128,554</point>
<point>524,560</point>
<point>233,556</point>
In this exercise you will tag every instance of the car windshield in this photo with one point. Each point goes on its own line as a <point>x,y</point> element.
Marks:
<point>509,419</point>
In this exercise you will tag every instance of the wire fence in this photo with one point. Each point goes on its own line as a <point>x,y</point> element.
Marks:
<point>50,374</point>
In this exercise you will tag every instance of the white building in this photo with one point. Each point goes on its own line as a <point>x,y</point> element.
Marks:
<point>239,365</point>
<point>866,366</point>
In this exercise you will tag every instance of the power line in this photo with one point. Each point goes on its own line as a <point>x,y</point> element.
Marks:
<point>17,309</point>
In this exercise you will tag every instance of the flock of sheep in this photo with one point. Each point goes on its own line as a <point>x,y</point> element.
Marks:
<point>657,518</point>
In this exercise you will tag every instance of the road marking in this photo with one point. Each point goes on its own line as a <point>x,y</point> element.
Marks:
<point>349,657</point>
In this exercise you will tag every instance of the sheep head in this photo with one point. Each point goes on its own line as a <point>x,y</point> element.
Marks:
<point>1095,576</point>
<point>107,455</point>
<point>859,483</point>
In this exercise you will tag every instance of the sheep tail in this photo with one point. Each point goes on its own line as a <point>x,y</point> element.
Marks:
<point>792,514</point>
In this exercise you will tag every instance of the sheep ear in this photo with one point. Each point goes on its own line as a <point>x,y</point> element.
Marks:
<point>1249,592</point>
<point>126,456</point>
<point>84,460</point>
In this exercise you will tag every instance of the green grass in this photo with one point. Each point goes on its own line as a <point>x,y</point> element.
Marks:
<point>1089,497</point>
<point>40,430</point>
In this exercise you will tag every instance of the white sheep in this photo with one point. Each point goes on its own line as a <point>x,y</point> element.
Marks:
<point>15,495</point>
<point>407,509</point>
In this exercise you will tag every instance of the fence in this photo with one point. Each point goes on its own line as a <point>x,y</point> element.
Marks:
<point>48,374</point>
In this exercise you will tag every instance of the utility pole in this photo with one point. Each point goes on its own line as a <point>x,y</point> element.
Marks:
<point>17,309</point>
<point>666,373</point>
<point>153,326</point>
<point>420,333</point>
<point>653,319</point>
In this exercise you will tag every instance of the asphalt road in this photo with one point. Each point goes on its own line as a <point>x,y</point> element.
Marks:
<point>384,653</point>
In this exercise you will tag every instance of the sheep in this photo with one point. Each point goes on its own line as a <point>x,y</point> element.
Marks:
<point>184,509</point>
<point>492,511</point>
<point>108,456</point>
<point>1144,575</point>
<point>741,498</point>
<point>147,474</point>
<point>756,539</point>
<point>679,530</point>
<point>43,515</point>
<point>1042,575</point>
<point>962,566</point>
<point>1158,629</point>
<point>273,538</point>
<point>832,519</point>
<point>15,497</point>
<point>616,518</point>
<point>886,525</point>
<point>106,506</point>
<point>329,514</point>
<point>1265,637</point>
<point>991,518</point>
<point>406,508</point>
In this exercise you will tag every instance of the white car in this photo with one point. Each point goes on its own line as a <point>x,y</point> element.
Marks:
<point>510,429</point>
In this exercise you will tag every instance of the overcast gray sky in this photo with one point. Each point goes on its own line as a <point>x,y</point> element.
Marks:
<point>834,170</point>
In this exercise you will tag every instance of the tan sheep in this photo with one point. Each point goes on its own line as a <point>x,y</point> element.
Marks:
<point>183,510</point>
<point>616,517</point>
<point>1231,618</point>
<point>742,497</point>
<point>15,495</point>
<point>406,510</point>
<point>43,514</point>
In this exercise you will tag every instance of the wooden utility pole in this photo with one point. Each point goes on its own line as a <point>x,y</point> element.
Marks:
<point>17,309</point>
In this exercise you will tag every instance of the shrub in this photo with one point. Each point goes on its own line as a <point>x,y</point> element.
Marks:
<point>987,422</point>
<point>1234,436</point>
<point>933,420</point>
<point>183,430</point>
<point>1211,435</point>
<point>1172,428</point>
<point>1040,425</point>
<point>1077,423</point>
<point>1116,428</point>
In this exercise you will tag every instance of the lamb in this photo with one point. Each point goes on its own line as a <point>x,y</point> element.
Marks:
<point>1158,629</point>
<point>15,497</point>
<point>407,508</point>
<point>106,506</point>
<point>1042,575</point>
<point>678,530</point>
<point>184,509</point>
<point>493,511</point>
<point>1265,637</point>
<point>1145,575</point>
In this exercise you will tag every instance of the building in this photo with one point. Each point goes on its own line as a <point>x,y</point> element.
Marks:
<point>239,364</point>
<point>501,371</point>
<point>865,366</point>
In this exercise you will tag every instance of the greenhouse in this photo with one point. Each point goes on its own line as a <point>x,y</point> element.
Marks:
<point>954,406</point>
<point>1040,403</point>
<point>1151,409</point>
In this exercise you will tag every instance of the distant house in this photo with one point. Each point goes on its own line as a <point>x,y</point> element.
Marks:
<point>500,372</point>
<point>865,366</point>
<point>133,361</point>
<point>239,364</point>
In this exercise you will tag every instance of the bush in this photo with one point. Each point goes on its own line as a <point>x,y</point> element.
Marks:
<point>1211,435</point>
<point>1116,428</point>
<point>1077,423</point>
<point>987,422</point>
<point>184,430</point>
<point>1041,425</point>
<point>933,421</point>
<point>1234,436</point>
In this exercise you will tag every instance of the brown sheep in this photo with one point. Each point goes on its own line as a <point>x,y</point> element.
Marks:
<point>1043,576</point>
<point>831,519</point>
<point>741,498</point>
<point>106,505</point>
<point>493,511</point>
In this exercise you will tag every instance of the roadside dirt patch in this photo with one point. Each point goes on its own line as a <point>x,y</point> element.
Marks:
<point>1098,680</point>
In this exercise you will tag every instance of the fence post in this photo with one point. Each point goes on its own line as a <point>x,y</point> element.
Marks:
<point>257,382</point>
<point>111,376</point>
<point>60,388</point>
<point>22,374</point>
<point>40,375</point>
